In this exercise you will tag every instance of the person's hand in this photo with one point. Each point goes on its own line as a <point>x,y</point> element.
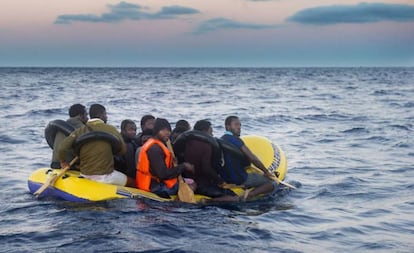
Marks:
<point>268,174</point>
<point>189,167</point>
<point>63,165</point>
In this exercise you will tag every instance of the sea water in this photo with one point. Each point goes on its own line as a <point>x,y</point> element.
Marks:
<point>347,134</point>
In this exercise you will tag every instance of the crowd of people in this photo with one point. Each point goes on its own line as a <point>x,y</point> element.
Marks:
<point>143,160</point>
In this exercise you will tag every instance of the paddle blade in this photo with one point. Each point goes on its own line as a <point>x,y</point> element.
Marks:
<point>185,193</point>
<point>50,181</point>
<point>52,178</point>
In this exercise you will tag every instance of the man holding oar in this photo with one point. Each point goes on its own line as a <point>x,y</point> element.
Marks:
<point>96,155</point>
<point>234,169</point>
<point>155,169</point>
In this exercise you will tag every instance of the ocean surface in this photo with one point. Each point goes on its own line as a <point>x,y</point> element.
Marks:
<point>348,134</point>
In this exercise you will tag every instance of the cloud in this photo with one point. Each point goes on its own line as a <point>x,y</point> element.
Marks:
<point>173,11</point>
<point>126,11</point>
<point>223,23</point>
<point>360,13</point>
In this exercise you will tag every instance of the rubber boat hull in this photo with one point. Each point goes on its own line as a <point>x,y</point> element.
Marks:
<point>73,187</point>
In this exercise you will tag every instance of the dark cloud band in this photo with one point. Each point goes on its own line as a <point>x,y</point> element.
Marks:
<point>360,13</point>
<point>223,24</point>
<point>127,11</point>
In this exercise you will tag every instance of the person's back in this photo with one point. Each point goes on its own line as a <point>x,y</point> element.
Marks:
<point>78,118</point>
<point>199,151</point>
<point>199,154</point>
<point>96,156</point>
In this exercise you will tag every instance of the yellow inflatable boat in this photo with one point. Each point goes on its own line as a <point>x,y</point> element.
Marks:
<point>72,187</point>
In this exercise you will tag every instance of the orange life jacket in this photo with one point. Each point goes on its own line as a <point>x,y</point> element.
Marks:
<point>144,175</point>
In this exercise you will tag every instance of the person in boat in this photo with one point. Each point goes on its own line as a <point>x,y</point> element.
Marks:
<point>234,168</point>
<point>78,116</point>
<point>180,127</point>
<point>155,170</point>
<point>147,124</point>
<point>96,155</point>
<point>199,151</point>
<point>126,163</point>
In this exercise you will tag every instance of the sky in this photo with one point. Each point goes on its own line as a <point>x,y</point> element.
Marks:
<point>200,33</point>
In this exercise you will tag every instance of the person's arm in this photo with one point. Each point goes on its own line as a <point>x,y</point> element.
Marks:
<point>121,140</point>
<point>256,161</point>
<point>64,148</point>
<point>58,140</point>
<point>158,167</point>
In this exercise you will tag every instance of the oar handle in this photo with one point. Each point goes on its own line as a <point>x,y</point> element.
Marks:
<point>276,179</point>
<point>170,147</point>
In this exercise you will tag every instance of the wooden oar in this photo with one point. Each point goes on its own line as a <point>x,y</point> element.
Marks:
<point>275,178</point>
<point>52,178</point>
<point>185,193</point>
<point>230,186</point>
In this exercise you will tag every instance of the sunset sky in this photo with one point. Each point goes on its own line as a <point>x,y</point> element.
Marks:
<point>201,33</point>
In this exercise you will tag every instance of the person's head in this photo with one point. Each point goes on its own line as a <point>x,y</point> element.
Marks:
<point>78,110</point>
<point>162,129</point>
<point>97,111</point>
<point>204,126</point>
<point>128,128</point>
<point>147,122</point>
<point>183,124</point>
<point>232,124</point>
<point>180,127</point>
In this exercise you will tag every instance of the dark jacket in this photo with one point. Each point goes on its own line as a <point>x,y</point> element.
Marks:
<point>199,154</point>
<point>126,163</point>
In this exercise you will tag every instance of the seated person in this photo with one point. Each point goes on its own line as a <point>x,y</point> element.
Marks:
<point>126,163</point>
<point>180,127</point>
<point>234,169</point>
<point>96,156</point>
<point>147,124</point>
<point>199,151</point>
<point>155,170</point>
<point>78,117</point>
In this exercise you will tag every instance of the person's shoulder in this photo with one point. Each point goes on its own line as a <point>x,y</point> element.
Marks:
<point>197,143</point>
<point>155,149</point>
<point>75,122</point>
<point>230,137</point>
<point>112,129</point>
<point>235,140</point>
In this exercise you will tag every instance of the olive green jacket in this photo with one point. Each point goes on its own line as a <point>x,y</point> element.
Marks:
<point>96,157</point>
<point>76,123</point>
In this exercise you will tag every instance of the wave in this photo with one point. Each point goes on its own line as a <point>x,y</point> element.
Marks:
<point>356,130</point>
<point>9,140</point>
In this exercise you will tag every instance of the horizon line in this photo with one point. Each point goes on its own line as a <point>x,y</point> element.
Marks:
<point>316,66</point>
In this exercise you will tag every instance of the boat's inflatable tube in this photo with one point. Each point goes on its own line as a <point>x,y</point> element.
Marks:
<point>57,126</point>
<point>179,144</point>
<point>270,154</point>
<point>73,187</point>
<point>97,135</point>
